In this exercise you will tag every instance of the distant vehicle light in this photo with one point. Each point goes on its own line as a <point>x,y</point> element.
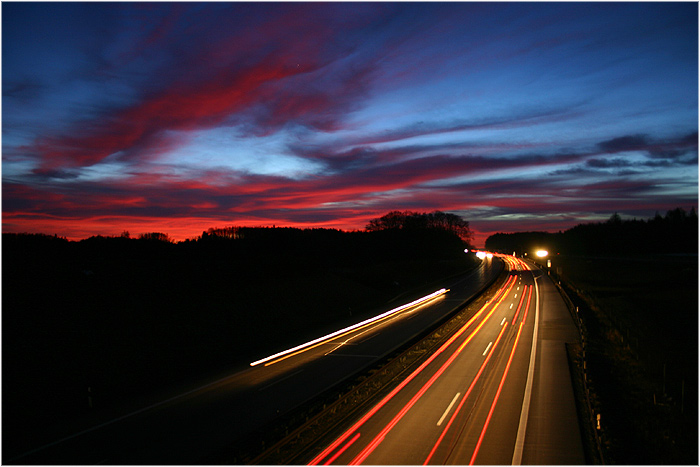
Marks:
<point>541,253</point>
<point>480,254</point>
<point>489,255</point>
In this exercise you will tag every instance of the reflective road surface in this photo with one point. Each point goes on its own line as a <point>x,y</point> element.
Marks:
<point>470,402</point>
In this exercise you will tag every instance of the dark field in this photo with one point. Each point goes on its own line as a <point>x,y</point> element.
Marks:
<point>130,319</point>
<point>641,317</point>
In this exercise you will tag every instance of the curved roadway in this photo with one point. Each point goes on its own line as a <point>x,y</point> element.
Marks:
<point>487,396</point>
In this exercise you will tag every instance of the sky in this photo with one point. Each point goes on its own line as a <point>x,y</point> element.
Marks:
<point>179,117</point>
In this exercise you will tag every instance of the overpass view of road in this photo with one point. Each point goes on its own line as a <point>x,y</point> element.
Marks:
<point>491,394</point>
<point>186,427</point>
<point>497,391</point>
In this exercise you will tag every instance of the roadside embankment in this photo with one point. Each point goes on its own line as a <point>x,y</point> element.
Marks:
<point>639,321</point>
<point>94,326</point>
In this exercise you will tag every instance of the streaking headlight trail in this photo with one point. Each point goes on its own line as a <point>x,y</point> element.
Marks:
<point>307,345</point>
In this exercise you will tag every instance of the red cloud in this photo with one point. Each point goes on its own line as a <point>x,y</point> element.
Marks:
<point>267,75</point>
<point>140,129</point>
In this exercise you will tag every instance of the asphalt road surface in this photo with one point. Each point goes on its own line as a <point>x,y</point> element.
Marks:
<point>188,426</point>
<point>487,396</point>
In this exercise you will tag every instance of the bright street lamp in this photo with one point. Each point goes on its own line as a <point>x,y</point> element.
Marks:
<point>541,253</point>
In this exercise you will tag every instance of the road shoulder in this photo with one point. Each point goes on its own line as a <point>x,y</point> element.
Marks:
<point>553,435</point>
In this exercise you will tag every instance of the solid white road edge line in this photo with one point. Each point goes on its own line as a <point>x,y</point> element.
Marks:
<point>525,411</point>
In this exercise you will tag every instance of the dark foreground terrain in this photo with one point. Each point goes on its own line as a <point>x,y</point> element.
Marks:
<point>635,282</point>
<point>640,317</point>
<point>92,325</point>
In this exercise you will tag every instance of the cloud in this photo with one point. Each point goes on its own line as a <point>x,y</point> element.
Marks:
<point>514,119</point>
<point>615,163</point>
<point>298,75</point>
<point>25,90</point>
<point>624,143</point>
<point>141,130</point>
<point>330,114</point>
<point>637,154</point>
<point>683,150</point>
<point>671,148</point>
<point>363,179</point>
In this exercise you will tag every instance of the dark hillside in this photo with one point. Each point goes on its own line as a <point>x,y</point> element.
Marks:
<point>641,319</point>
<point>125,317</point>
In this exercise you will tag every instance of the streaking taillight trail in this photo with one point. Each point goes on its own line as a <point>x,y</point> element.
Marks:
<point>363,449</point>
<point>465,397</point>
<point>495,399</point>
<point>376,441</point>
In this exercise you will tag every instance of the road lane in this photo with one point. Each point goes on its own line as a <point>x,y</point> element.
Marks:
<point>464,405</point>
<point>183,428</point>
<point>477,377</point>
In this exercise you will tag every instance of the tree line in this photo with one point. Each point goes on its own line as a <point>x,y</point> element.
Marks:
<point>676,232</point>
<point>129,314</point>
<point>394,236</point>
<point>410,220</point>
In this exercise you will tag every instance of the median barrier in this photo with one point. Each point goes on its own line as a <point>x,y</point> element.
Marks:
<point>287,438</point>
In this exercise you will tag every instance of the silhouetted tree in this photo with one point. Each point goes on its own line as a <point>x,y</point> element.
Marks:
<point>451,223</point>
<point>155,236</point>
<point>410,220</point>
<point>231,232</point>
<point>522,242</point>
<point>676,232</point>
<point>615,219</point>
<point>391,220</point>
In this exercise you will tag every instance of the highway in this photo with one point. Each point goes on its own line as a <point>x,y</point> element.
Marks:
<point>470,402</point>
<point>187,426</point>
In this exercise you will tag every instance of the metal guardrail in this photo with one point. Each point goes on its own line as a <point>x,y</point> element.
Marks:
<point>380,380</point>
<point>287,437</point>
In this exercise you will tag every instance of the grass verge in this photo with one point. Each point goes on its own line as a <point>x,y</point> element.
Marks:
<point>640,325</point>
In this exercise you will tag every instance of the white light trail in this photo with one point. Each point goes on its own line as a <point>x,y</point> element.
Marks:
<point>354,326</point>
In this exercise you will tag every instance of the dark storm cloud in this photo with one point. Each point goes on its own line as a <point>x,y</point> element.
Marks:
<point>624,143</point>
<point>614,163</point>
<point>673,149</point>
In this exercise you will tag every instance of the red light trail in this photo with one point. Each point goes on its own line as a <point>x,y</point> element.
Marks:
<point>495,399</point>
<point>500,295</point>
<point>454,428</point>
